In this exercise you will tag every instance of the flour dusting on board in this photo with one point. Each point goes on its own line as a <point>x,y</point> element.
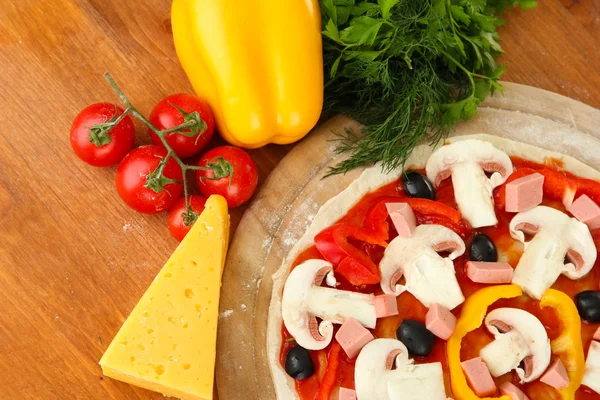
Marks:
<point>309,208</point>
<point>272,221</point>
<point>300,222</point>
<point>538,131</point>
<point>129,227</point>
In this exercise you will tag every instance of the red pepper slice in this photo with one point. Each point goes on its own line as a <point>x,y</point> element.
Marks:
<point>426,211</point>
<point>330,378</point>
<point>376,218</point>
<point>356,273</point>
<point>353,264</point>
<point>556,185</point>
<point>462,229</point>
<point>429,207</point>
<point>590,188</point>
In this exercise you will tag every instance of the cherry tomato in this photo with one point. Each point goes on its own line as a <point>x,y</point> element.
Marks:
<point>177,215</point>
<point>235,171</point>
<point>140,187</point>
<point>176,109</point>
<point>98,145</point>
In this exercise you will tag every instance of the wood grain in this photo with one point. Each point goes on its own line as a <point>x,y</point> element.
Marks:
<point>74,258</point>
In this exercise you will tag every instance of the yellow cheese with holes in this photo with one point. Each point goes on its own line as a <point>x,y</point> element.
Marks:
<point>168,342</point>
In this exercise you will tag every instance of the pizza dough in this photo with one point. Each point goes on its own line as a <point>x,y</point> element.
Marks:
<point>371,179</point>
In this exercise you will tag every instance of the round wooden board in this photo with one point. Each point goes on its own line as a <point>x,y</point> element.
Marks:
<point>295,190</point>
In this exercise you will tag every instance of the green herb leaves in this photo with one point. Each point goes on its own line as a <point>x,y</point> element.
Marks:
<point>362,30</point>
<point>385,6</point>
<point>408,70</point>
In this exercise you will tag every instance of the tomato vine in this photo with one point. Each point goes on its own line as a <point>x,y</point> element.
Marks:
<point>155,180</point>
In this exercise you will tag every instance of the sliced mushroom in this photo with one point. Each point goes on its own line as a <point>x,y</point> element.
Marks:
<point>521,343</point>
<point>561,245</point>
<point>467,162</point>
<point>429,277</point>
<point>591,377</point>
<point>304,300</point>
<point>384,372</point>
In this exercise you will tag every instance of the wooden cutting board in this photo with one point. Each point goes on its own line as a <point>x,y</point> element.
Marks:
<point>293,193</point>
<point>74,260</point>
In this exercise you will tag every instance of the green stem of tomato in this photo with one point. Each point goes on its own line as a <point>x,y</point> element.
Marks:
<point>120,118</point>
<point>185,196</point>
<point>161,135</point>
<point>163,164</point>
<point>198,168</point>
<point>179,127</point>
<point>111,124</point>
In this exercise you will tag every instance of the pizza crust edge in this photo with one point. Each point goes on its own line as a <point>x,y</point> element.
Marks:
<point>371,179</point>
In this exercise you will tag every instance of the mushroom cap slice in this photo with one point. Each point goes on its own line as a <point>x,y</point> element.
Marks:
<point>373,363</point>
<point>592,367</point>
<point>304,300</point>
<point>482,153</point>
<point>384,371</point>
<point>534,336</point>
<point>557,237</point>
<point>467,162</point>
<point>429,277</point>
<point>298,320</point>
<point>574,233</point>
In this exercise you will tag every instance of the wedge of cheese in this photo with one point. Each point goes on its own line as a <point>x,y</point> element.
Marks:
<point>168,342</point>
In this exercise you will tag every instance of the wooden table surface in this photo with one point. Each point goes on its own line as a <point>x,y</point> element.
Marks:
<point>74,259</point>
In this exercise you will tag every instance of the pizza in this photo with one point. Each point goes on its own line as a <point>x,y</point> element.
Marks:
<point>471,273</point>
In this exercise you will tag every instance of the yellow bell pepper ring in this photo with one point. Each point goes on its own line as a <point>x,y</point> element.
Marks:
<point>258,63</point>
<point>567,345</point>
<point>473,313</point>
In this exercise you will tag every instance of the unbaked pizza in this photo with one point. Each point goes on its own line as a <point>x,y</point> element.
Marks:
<point>471,273</point>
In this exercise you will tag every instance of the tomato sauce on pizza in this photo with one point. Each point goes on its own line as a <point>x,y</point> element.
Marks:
<point>342,374</point>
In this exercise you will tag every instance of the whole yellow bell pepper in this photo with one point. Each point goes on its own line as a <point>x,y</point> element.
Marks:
<point>567,346</point>
<point>258,63</point>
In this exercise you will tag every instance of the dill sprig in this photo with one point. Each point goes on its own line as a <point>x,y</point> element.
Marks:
<point>408,70</point>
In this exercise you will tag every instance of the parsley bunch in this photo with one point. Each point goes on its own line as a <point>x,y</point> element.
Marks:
<point>408,70</point>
